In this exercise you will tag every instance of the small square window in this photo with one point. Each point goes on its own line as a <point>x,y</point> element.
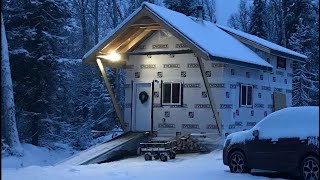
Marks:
<point>259,95</point>
<point>232,71</point>
<point>281,62</point>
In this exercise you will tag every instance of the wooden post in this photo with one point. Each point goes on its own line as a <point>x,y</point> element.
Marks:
<point>113,98</point>
<point>211,99</point>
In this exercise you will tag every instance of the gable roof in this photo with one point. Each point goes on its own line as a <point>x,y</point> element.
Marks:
<point>203,37</point>
<point>264,44</point>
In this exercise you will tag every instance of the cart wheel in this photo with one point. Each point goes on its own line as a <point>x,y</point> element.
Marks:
<point>147,157</point>
<point>163,157</point>
<point>156,156</point>
<point>172,155</point>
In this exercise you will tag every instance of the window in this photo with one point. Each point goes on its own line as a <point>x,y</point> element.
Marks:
<point>246,95</point>
<point>171,93</point>
<point>281,62</point>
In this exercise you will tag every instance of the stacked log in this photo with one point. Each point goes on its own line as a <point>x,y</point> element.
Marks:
<point>187,144</point>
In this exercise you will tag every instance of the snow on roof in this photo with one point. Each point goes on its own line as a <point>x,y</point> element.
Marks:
<point>262,42</point>
<point>208,37</point>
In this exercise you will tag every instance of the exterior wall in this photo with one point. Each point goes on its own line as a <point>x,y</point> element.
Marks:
<point>246,117</point>
<point>195,116</point>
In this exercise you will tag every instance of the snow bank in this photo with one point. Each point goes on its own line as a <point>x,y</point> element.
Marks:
<point>185,166</point>
<point>300,122</point>
<point>39,156</point>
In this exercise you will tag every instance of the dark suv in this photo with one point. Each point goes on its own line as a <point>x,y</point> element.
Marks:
<point>284,141</point>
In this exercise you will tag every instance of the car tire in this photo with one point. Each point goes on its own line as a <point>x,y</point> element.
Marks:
<point>310,168</point>
<point>238,163</point>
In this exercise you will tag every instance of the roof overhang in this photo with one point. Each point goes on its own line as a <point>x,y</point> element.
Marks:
<point>265,48</point>
<point>139,26</point>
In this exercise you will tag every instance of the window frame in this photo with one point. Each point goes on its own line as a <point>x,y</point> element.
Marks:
<point>281,59</point>
<point>247,89</point>
<point>163,94</point>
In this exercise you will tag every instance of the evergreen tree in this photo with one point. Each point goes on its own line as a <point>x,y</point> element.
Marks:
<point>186,7</point>
<point>36,35</point>
<point>257,23</point>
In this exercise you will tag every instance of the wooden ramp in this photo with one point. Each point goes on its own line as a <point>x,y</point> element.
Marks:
<point>128,142</point>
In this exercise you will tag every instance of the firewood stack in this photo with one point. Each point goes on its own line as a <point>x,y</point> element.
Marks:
<point>187,144</point>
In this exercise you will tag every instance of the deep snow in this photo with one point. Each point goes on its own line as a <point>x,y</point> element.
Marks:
<point>37,156</point>
<point>185,166</point>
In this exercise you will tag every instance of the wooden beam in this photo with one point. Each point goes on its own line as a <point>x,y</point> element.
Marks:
<point>124,42</point>
<point>211,98</point>
<point>140,41</point>
<point>113,98</point>
<point>125,37</point>
<point>187,51</point>
<point>134,41</point>
<point>145,25</point>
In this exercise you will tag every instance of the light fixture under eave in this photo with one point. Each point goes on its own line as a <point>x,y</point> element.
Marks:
<point>113,57</point>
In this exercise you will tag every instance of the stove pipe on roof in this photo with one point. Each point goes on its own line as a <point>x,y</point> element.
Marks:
<point>200,12</point>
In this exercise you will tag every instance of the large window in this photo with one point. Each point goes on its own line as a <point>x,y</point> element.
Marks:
<point>281,62</point>
<point>171,93</point>
<point>246,95</point>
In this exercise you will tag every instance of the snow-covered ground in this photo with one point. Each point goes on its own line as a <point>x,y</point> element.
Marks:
<point>37,156</point>
<point>185,166</point>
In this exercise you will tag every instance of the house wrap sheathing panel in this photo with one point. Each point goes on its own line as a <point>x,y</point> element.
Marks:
<point>195,115</point>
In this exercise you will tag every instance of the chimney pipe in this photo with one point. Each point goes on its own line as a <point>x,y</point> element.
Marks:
<point>200,12</point>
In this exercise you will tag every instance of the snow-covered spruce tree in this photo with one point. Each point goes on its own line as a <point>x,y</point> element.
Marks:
<point>35,37</point>
<point>241,19</point>
<point>8,107</point>
<point>257,22</point>
<point>186,7</point>
<point>303,84</point>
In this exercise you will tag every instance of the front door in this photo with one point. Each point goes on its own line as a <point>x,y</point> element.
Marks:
<point>142,100</point>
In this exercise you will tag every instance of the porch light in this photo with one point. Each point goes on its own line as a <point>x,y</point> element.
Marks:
<point>113,57</point>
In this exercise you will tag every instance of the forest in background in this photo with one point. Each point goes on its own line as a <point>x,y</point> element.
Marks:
<point>60,99</point>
